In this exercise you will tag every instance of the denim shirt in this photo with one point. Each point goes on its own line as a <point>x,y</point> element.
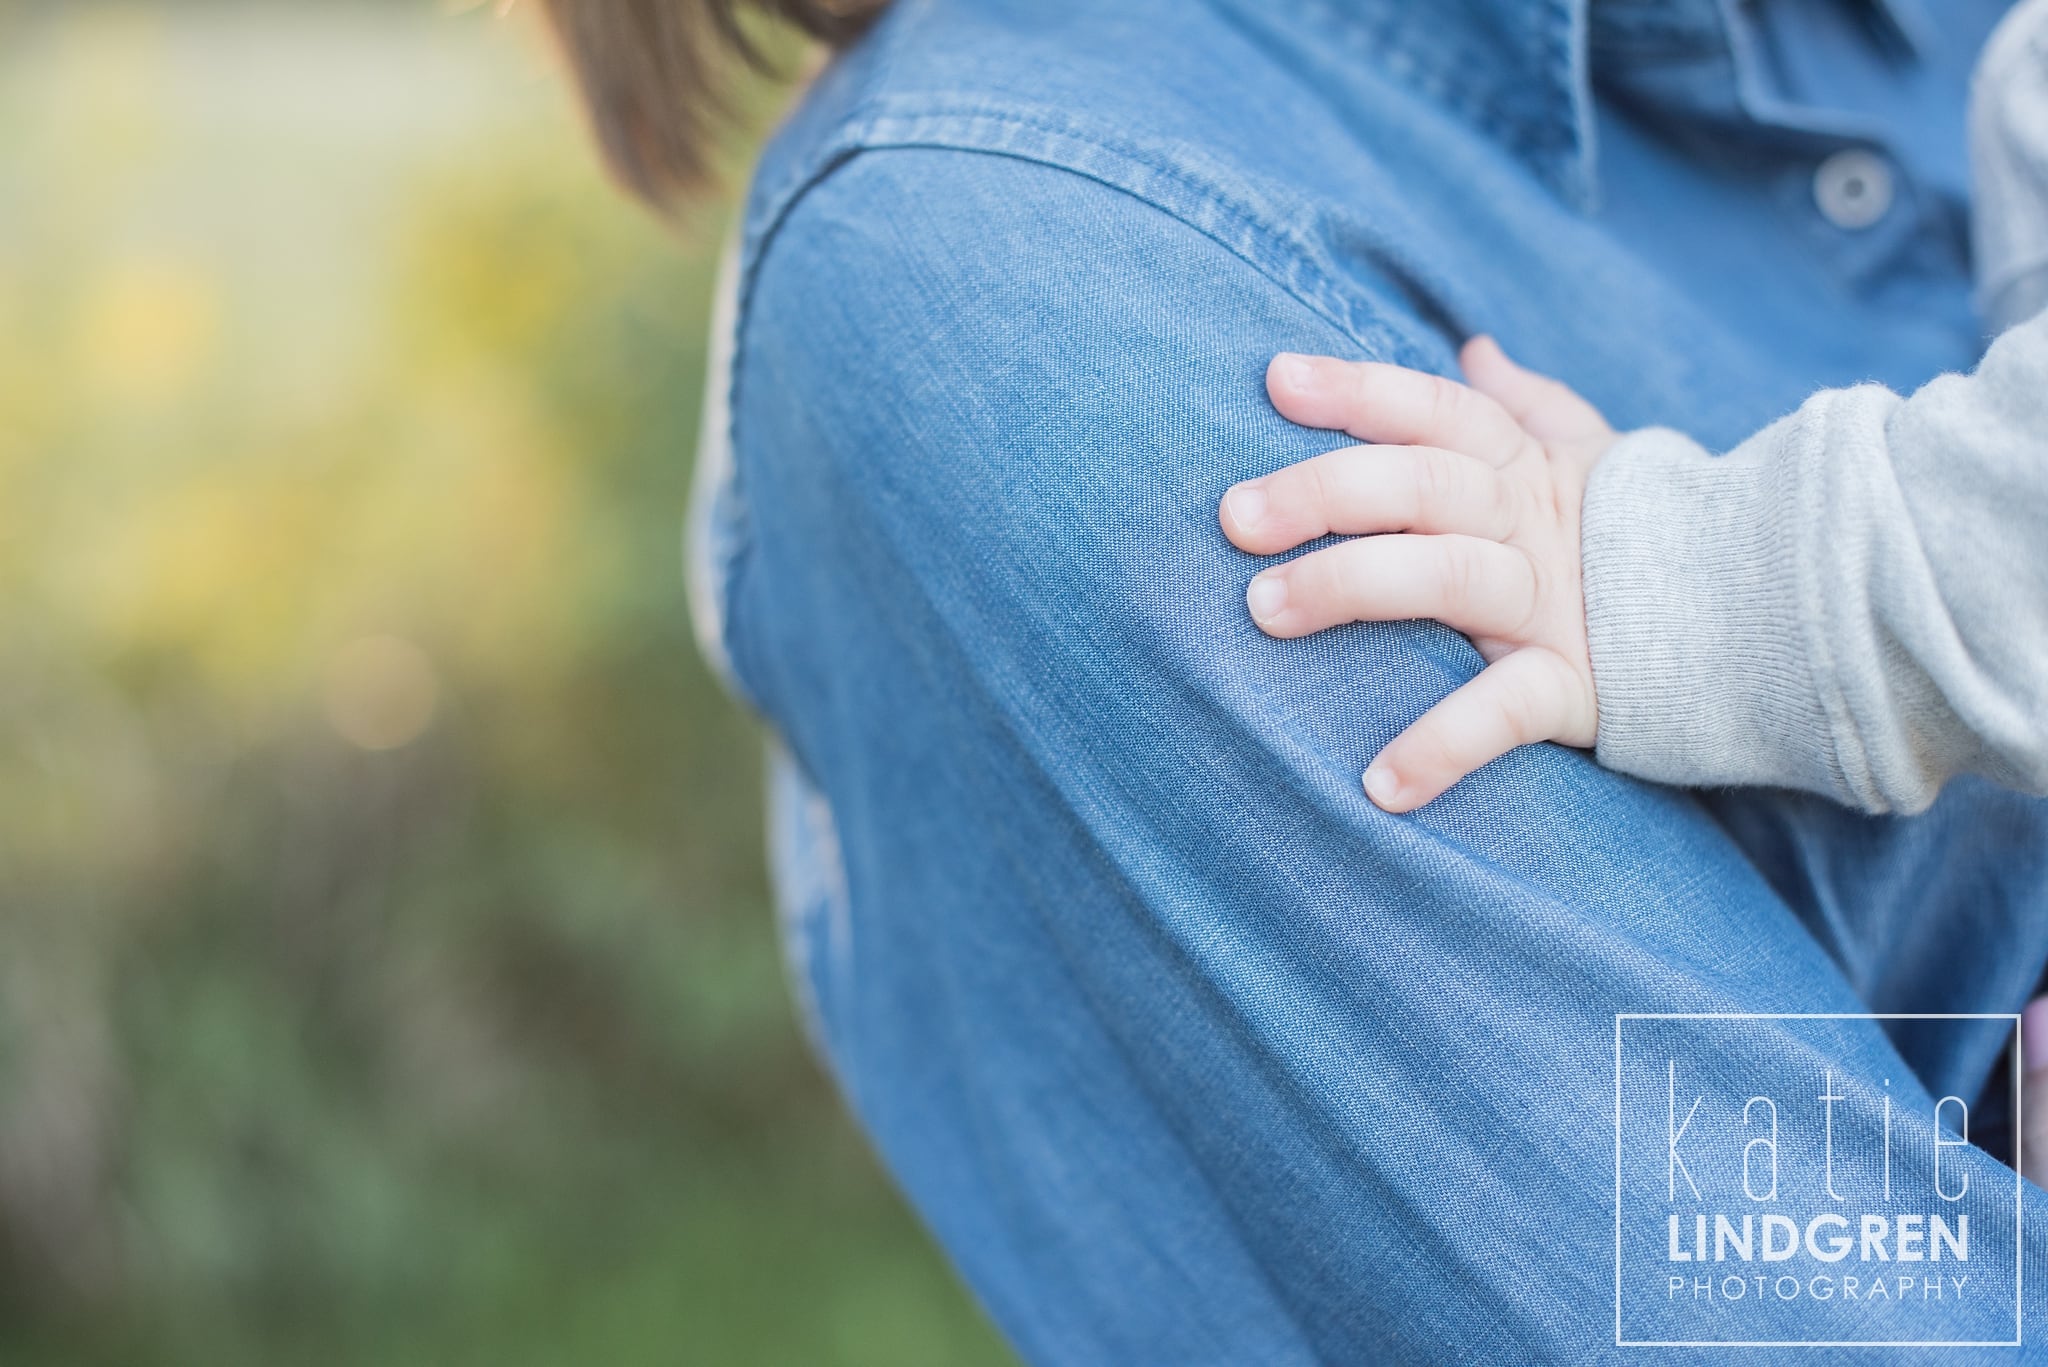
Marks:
<point>1186,1051</point>
<point>1308,138</point>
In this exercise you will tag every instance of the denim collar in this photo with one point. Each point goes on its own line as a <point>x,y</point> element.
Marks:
<point>1523,70</point>
<point>1515,68</point>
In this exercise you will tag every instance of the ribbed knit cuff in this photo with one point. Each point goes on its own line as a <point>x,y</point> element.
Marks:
<point>1700,651</point>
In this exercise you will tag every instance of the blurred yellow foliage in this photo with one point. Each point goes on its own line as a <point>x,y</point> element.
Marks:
<point>145,330</point>
<point>315,386</point>
<point>242,459</point>
<point>386,973</point>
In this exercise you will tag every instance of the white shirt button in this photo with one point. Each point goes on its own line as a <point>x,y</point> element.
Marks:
<point>1853,188</point>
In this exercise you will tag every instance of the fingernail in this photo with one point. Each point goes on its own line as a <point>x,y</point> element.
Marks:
<point>1296,372</point>
<point>1247,504</point>
<point>1382,786</point>
<point>1266,597</point>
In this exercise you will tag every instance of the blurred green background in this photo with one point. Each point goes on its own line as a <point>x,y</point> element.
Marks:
<point>386,964</point>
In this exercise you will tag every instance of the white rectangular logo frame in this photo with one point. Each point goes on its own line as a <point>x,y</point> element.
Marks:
<point>2018,1191</point>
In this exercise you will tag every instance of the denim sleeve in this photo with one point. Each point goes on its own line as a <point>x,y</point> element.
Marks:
<point>1188,1052</point>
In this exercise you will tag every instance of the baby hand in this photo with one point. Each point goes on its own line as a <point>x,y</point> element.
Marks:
<point>1480,488</point>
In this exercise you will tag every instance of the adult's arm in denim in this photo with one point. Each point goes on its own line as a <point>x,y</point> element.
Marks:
<point>1187,1052</point>
<point>1853,602</point>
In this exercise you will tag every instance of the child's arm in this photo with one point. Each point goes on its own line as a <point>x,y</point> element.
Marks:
<point>2009,166</point>
<point>1854,601</point>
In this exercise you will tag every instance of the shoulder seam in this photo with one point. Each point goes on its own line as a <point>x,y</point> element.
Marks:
<point>1169,181</point>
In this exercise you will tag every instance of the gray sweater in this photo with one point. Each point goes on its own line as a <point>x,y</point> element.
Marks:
<point>1855,600</point>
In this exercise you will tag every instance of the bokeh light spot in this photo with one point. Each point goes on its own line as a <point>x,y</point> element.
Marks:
<point>381,692</point>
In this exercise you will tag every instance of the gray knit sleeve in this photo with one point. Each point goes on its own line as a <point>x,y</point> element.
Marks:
<point>2009,166</point>
<point>1854,601</point>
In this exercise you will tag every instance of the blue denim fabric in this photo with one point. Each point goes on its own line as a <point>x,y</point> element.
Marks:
<point>1186,1051</point>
